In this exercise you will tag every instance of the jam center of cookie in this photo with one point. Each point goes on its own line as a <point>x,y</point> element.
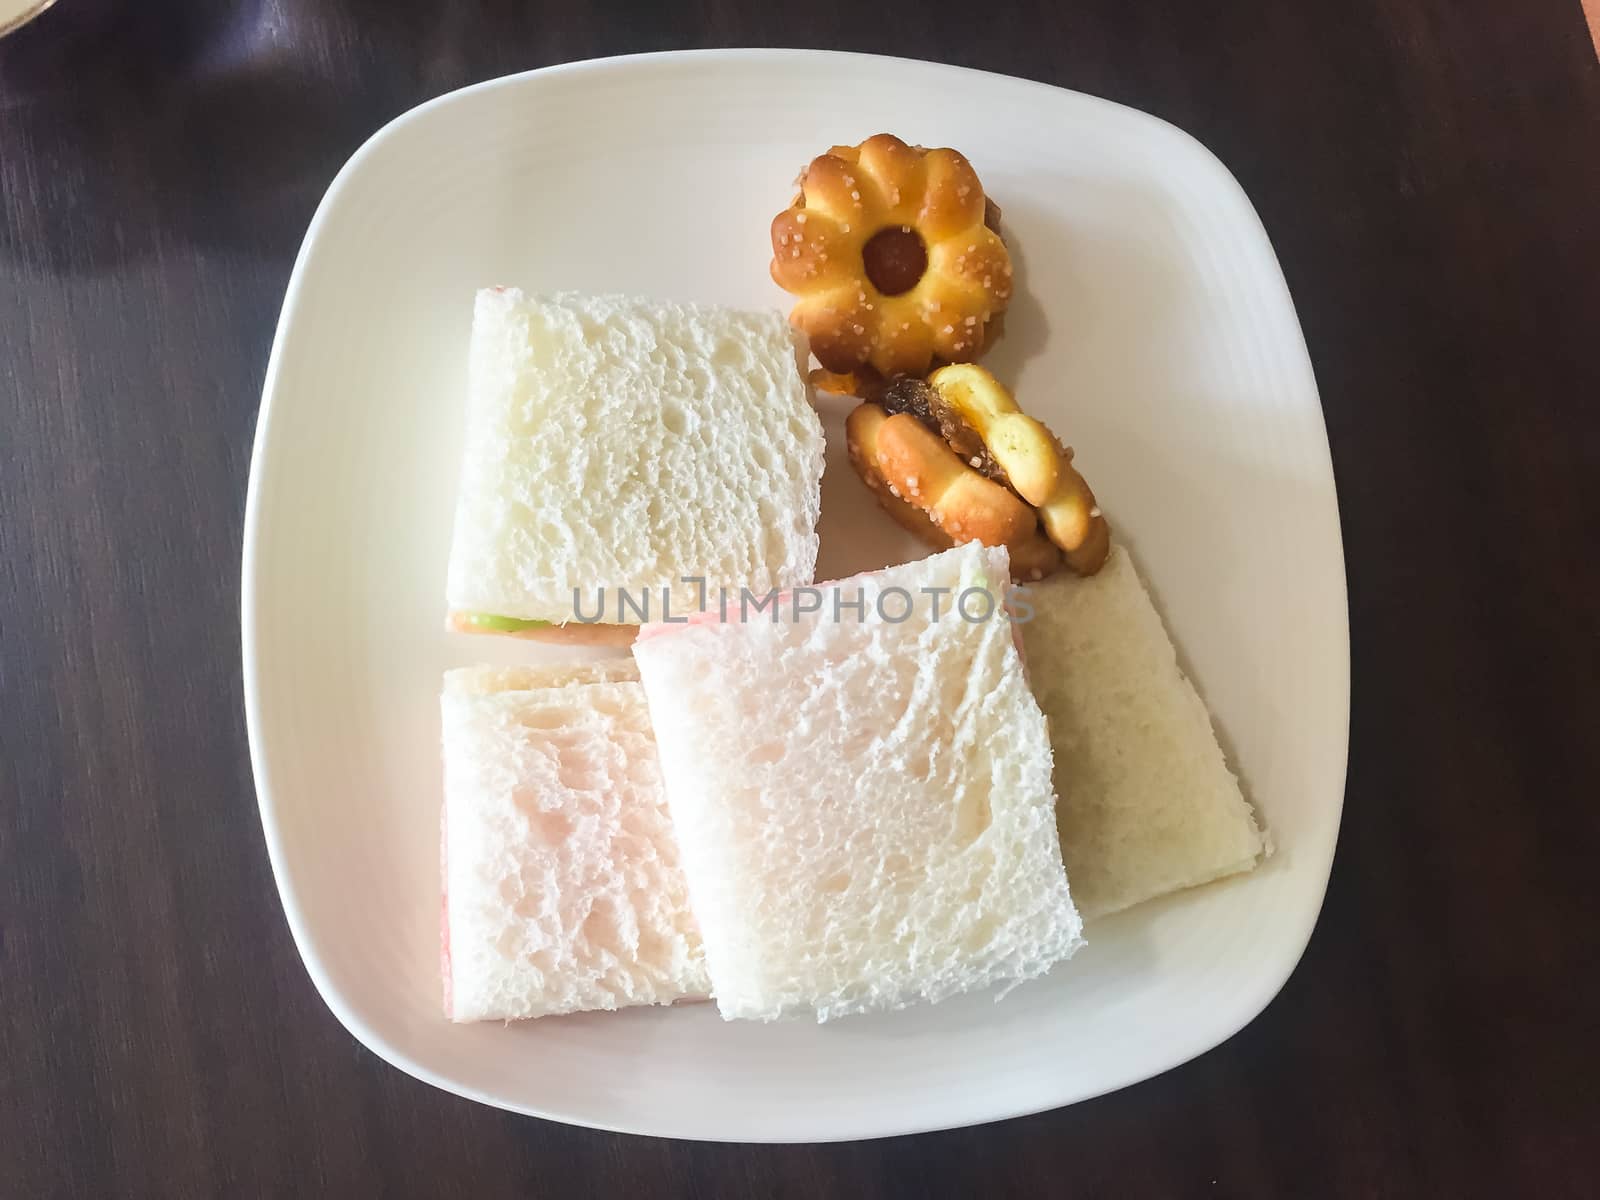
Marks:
<point>894,259</point>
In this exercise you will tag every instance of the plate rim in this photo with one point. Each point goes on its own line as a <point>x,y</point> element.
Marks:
<point>354,1023</point>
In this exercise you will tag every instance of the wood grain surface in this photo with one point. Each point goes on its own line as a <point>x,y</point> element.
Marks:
<point>1429,171</point>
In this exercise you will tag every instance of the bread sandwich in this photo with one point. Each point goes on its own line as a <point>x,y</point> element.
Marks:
<point>562,889</point>
<point>1147,803</point>
<point>622,455</point>
<point>860,783</point>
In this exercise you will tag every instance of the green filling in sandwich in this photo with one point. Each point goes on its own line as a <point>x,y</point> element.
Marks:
<point>494,624</point>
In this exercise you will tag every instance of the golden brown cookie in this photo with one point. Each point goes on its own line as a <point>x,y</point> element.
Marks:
<point>887,249</point>
<point>921,483</point>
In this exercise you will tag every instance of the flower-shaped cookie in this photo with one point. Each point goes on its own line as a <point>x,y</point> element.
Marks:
<point>887,249</point>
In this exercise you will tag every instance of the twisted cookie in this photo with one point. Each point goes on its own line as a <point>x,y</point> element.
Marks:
<point>1032,460</point>
<point>957,450</point>
<point>921,483</point>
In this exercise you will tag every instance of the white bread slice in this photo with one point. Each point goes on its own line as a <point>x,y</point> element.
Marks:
<point>1147,803</point>
<point>562,890</point>
<point>614,442</point>
<point>863,807</point>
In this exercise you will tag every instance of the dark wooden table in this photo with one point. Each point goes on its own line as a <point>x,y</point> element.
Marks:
<point>1430,174</point>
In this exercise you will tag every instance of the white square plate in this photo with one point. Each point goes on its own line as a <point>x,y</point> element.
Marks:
<point>1152,329</point>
